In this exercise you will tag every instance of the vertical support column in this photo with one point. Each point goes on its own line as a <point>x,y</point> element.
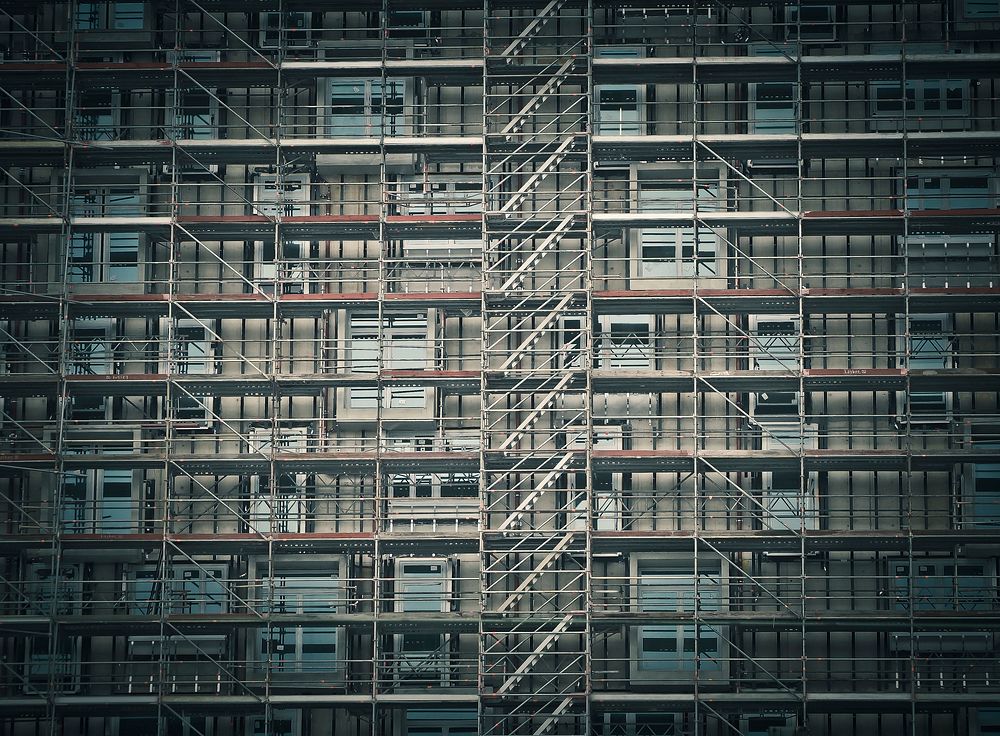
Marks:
<point>907,441</point>
<point>802,405</point>
<point>275,332</point>
<point>379,660</point>
<point>62,405</point>
<point>169,400</point>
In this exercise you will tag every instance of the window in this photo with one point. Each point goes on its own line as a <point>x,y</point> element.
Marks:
<point>981,9</point>
<point>988,720</point>
<point>366,107</point>
<point>44,666</point>
<point>97,115</point>
<point>284,512</point>
<point>440,722</point>
<point>422,586</point>
<point>405,346</point>
<point>295,650</point>
<point>785,504</point>
<point>676,650</point>
<point>606,497</point>
<point>111,257</point>
<point>187,588</point>
<point>949,190</point>
<point>105,200</point>
<point>772,724</point>
<point>98,501</point>
<point>144,592</point>
<point>195,115</point>
<point>772,105</point>
<point>940,584</point>
<point>422,500</point>
<point>192,348</point>
<point>774,343</point>
<point>186,725</point>
<point>291,269</point>
<point>103,258</point>
<point>639,724</point>
<point>104,15</point>
<point>453,263</point>
<point>929,349</point>
<point>284,722</point>
<point>289,30</point>
<point>287,195</point>
<point>980,500</point>
<point>193,56</point>
<point>286,439</point>
<point>810,22</point>
<point>774,346</point>
<point>191,410</point>
<point>53,592</point>
<point>925,99</point>
<point>620,106</point>
<point>936,259</point>
<point>91,347</point>
<point>190,659</point>
<point>627,341</point>
<point>680,252</point>
<point>439,195</point>
<point>407,24</point>
<point>197,589</point>
<point>192,355</point>
<point>85,408</point>
<point>675,190</point>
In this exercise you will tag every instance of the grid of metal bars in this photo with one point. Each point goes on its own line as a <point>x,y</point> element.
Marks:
<point>559,620</point>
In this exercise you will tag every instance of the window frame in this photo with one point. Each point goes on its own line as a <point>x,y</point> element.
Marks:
<point>291,511</point>
<point>89,507</point>
<point>97,131</point>
<point>980,508</point>
<point>434,509</point>
<point>106,18</point>
<point>258,725</point>
<point>266,204</point>
<point>678,567</point>
<point>179,119</point>
<point>98,194</point>
<point>755,90</point>
<point>915,105</point>
<point>974,16</point>
<point>393,334</point>
<point>941,412</point>
<point>604,124</point>
<point>829,25</point>
<point>329,598</point>
<point>938,590</point>
<point>610,503</point>
<point>440,722</point>
<point>779,506</point>
<point>677,194</point>
<point>295,38</point>
<point>621,349</point>
<point>102,331</point>
<point>929,253</point>
<point>372,121</point>
<point>415,661</point>
<point>290,269</point>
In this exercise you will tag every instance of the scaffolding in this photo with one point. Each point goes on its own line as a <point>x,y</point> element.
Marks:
<point>536,367</point>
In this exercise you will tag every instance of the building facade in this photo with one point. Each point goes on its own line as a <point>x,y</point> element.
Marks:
<point>518,367</point>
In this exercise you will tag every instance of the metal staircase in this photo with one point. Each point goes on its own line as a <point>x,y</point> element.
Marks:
<point>536,415</point>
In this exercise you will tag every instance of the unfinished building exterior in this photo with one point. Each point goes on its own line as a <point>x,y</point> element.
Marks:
<point>512,367</point>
